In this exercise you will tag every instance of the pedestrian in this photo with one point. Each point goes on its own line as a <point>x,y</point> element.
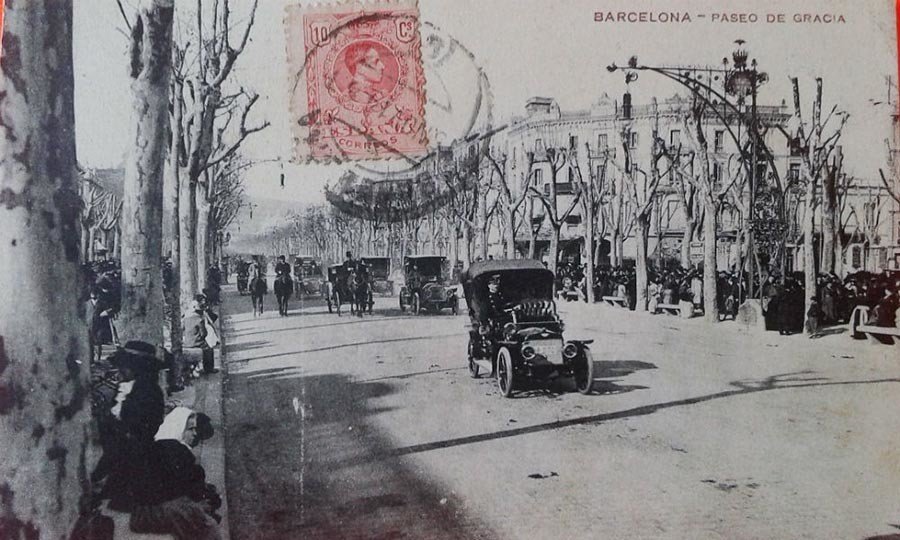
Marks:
<point>813,314</point>
<point>200,332</point>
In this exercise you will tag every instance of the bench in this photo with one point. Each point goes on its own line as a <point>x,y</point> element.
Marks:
<point>859,328</point>
<point>669,309</point>
<point>617,301</point>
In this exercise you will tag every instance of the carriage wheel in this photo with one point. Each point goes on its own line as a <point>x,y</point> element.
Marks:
<point>473,367</point>
<point>504,372</point>
<point>417,304</point>
<point>584,372</point>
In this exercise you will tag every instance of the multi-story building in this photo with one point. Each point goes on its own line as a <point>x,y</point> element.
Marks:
<point>604,131</point>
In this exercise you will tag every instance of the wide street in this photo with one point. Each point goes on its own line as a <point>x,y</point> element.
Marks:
<point>346,427</point>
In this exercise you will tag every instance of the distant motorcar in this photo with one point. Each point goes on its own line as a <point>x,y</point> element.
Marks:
<point>522,338</point>
<point>308,276</point>
<point>427,286</point>
<point>379,272</point>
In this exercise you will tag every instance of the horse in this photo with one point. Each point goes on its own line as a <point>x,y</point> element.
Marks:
<point>258,290</point>
<point>283,286</point>
<point>361,294</point>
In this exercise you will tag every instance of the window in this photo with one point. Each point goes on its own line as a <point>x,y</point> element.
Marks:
<point>719,140</point>
<point>674,137</point>
<point>717,172</point>
<point>573,219</point>
<point>633,140</point>
<point>794,172</point>
<point>538,145</point>
<point>573,141</point>
<point>602,142</point>
<point>538,177</point>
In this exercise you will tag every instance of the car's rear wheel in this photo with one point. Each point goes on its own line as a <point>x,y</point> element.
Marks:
<point>504,372</point>
<point>473,367</point>
<point>583,372</point>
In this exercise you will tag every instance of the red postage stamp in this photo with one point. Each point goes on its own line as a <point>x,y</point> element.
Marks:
<point>357,87</point>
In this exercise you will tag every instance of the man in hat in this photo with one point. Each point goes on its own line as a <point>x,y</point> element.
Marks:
<point>282,267</point>
<point>495,301</point>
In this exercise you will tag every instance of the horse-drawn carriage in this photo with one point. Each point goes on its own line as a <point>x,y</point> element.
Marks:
<point>427,285</point>
<point>516,332</point>
<point>308,279</point>
<point>379,269</point>
<point>348,285</point>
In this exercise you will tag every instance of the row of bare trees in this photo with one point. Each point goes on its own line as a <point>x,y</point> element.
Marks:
<point>187,109</point>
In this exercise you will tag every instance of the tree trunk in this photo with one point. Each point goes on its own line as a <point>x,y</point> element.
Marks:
<point>454,241</point>
<point>710,294</point>
<point>829,212</point>
<point>839,255</point>
<point>589,261</point>
<point>44,369</point>
<point>85,242</point>
<point>642,223</point>
<point>809,249</point>
<point>554,249</point>
<point>142,313</point>
<point>690,226</point>
<point>620,249</point>
<point>187,232</point>
<point>202,253</point>
<point>174,291</point>
<point>509,231</point>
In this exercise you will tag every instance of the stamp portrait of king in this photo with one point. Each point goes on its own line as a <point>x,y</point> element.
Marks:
<point>361,87</point>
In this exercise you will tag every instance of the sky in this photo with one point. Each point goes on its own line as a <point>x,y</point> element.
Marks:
<point>527,48</point>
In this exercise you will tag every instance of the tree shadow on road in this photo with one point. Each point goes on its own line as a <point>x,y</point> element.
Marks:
<point>784,381</point>
<point>293,449</point>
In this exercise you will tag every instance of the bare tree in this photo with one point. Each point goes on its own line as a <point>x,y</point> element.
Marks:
<point>207,134</point>
<point>591,192</point>
<point>556,158</point>
<point>44,375</point>
<point>150,70</point>
<point>640,189</point>
<point>816,150</point>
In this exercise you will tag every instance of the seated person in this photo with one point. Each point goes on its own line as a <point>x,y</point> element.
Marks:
<point>171,495</point>
<point>128,426</point>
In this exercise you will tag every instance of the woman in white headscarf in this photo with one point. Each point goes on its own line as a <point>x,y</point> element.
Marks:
<point>173,496</point>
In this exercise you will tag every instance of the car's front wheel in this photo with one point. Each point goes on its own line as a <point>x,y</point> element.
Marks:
<point>504,372</point>
<point>583,372</point>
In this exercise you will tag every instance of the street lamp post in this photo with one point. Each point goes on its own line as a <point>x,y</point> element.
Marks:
<point>740,80</point>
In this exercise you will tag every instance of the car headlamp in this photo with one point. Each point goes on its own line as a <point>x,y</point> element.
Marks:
<point>570,350</point>
<point>528,352</point>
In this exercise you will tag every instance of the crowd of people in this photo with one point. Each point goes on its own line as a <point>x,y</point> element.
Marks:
<point>147,468</point>
<point>783,300</point>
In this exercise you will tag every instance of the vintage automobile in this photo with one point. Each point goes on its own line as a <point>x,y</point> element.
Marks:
<point>308,277</point>
<point>516,333</point>
<point>427,285</point>
<point>379,273</point>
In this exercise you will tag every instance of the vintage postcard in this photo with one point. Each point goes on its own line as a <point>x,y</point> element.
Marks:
<point>449,269</point>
